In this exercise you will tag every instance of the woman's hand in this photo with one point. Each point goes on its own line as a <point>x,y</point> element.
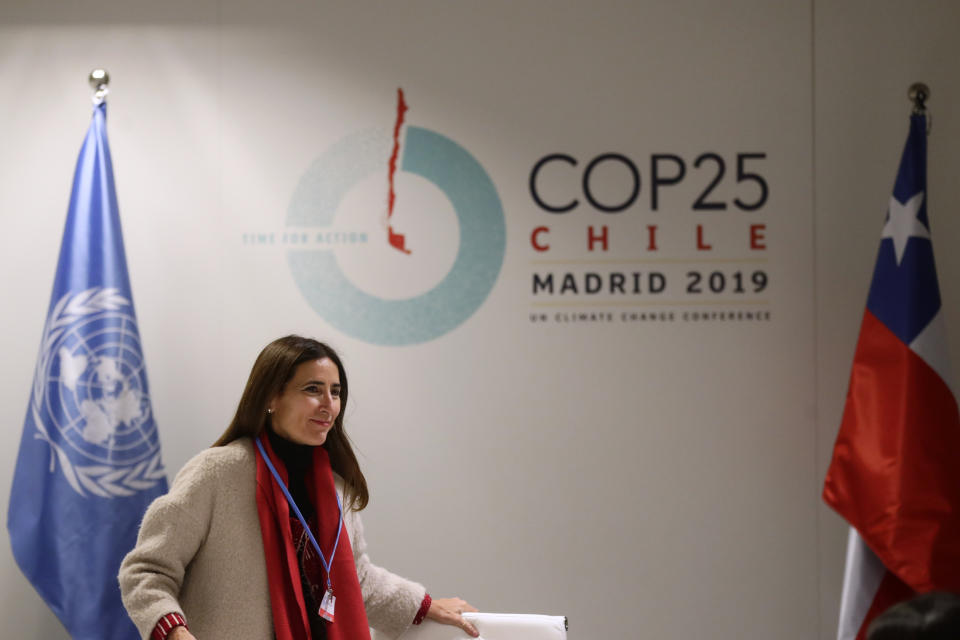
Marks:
<point>180,633</point>
<point>448,610</point>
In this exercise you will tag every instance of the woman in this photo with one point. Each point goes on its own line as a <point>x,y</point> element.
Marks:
<point>225,554</point>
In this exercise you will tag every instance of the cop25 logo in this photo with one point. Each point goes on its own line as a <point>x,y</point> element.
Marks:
<point>454,296</point>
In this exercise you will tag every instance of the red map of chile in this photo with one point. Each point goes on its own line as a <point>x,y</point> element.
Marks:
<point>471,194</point>
<point>397,240</point>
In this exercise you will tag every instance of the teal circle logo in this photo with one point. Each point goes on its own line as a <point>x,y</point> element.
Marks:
<point>457,296</point>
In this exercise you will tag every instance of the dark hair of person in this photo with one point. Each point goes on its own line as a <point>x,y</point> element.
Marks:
<point>273,369</point>
<point>929,616</point>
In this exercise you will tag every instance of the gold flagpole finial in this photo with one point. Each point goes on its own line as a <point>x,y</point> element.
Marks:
<point>919,93</point>
<point>99,80</point>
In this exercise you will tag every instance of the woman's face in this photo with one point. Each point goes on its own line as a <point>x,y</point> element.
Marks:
<point>309,403</point>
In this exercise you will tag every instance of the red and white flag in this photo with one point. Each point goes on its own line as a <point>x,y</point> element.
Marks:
<point>895,473</point>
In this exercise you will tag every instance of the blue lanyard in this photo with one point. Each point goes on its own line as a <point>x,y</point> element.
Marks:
<point>306,527</point>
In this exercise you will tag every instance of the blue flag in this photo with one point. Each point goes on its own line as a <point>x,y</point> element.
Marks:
<point>89,461</point>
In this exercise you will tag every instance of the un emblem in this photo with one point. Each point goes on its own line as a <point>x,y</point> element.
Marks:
<point>91,403</point>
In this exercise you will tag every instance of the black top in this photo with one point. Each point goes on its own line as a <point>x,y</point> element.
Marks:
<point>297,458</point>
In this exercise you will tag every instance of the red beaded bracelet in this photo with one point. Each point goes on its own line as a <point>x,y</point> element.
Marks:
<point>166,624</point>
<point>424,607</point>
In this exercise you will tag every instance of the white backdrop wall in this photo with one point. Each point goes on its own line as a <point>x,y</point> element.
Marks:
<point>660,476</point>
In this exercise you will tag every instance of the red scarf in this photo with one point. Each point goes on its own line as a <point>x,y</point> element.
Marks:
<point>290,620</point>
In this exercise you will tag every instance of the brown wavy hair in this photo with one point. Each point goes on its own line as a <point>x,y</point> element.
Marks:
<point>273,369</point>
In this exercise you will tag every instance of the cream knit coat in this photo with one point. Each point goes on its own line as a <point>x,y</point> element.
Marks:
<point>200,553</point>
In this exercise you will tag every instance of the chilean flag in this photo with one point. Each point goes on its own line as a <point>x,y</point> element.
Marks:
<point>895,473</point>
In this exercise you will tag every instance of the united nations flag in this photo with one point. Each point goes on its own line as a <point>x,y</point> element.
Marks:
<point>89,461</point>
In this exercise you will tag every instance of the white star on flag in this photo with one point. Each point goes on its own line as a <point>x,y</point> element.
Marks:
<point>902,224</point>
